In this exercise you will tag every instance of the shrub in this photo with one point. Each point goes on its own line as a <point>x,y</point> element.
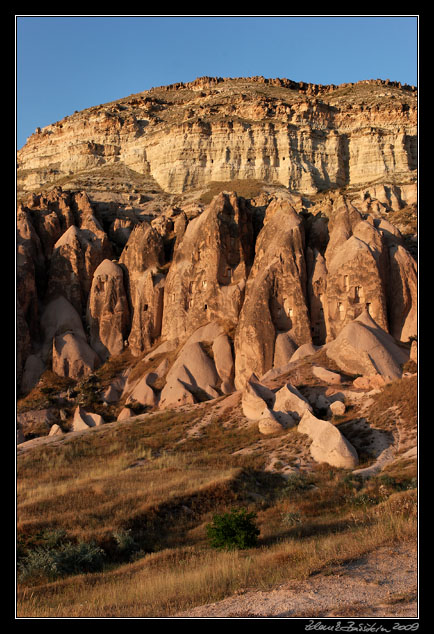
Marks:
<point>89,391</point>
<point>291,518</point>
<point>233,530</point>
<point>404,484</point>
<point>298,482</point>
<point>125,542</point>
<point>54,537</point>
<point>66,559</point>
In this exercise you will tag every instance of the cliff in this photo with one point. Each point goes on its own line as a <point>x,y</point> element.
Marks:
<point>199,233</point>
<point>306,137</point>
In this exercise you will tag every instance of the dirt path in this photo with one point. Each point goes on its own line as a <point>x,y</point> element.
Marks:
<point>382,584</point>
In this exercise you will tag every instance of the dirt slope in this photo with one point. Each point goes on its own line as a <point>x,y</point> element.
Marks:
<point>382,584</point>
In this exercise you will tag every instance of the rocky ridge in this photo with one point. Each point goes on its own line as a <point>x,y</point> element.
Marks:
<point>174,300</point>
<point>303,136</point>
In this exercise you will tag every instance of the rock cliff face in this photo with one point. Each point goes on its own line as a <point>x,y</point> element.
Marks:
<point>122,254</point>
<point>308,138</point>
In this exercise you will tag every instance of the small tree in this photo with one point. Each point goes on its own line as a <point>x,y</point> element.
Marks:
<point>233,530</point>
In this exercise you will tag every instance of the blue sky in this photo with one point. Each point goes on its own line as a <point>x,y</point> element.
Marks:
<point>68,63</point>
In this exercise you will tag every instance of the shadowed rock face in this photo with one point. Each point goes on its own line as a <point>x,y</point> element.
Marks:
<point>141,258</point>
<point>241,282</point>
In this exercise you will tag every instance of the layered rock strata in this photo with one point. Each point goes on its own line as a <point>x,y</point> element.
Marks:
<point>185,135</point>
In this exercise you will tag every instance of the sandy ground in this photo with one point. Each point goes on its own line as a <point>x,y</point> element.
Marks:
<point>382,584</point>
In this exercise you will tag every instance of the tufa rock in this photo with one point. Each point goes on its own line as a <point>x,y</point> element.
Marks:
<point>275,296</point>
<point>107,310</point>
<point>328,444</point>
<point>362,347</point>
<point>83,419</point>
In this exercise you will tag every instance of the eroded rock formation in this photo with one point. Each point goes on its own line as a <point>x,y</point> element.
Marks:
<point>207,293</point>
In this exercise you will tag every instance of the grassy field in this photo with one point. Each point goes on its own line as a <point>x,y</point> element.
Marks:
<point>142,493</point>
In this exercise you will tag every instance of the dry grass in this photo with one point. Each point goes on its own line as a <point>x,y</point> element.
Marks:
<point>164,583</point>
<point>138,476</point>
<point>40,396</point>
<point>401,395</point>
<point>246,188</point>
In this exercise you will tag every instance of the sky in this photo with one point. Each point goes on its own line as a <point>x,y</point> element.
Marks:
<point>69,63</point>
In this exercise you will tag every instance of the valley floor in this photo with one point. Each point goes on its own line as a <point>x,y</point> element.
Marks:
<point>382,584</point>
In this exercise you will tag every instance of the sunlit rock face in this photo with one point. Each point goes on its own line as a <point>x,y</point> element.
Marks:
<point>207,277</point>
<point>306,137</point>
<point>275,299</point>
<point>122,246</point>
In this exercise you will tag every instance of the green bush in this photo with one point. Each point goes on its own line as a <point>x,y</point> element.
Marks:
<point>233,530</point>
<point>63,560</point>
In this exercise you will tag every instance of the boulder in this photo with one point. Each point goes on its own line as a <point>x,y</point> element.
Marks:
<point>159,372</point>
<point>175,394</point>
<point>192,375</point>
<point>305,350</point>
<point>371,382</point>
<point>328,444</point>
<point>269,422</point>
<point>289,401</point>
<point>326,375</point>
<point>55,431</point>
<point>284,349</point>
<point>143,393</point>
<point>337,408</point>
<point>256,398</point>
<point>83,419</point>
<point>59,317</point>
<point>213,335</point>
<point>111,394</point>
<point>125,413</point>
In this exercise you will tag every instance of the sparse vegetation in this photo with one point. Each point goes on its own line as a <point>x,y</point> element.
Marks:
<point>61,560</point>
<point>247,188</point>
<point>144,500</point>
